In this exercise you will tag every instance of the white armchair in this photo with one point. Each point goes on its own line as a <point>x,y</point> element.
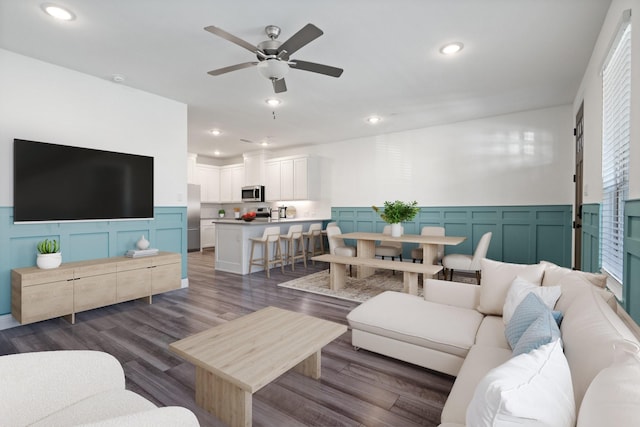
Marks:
<point>75,388</point>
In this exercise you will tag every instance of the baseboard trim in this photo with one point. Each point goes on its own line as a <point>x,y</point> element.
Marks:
<point>7,321</point>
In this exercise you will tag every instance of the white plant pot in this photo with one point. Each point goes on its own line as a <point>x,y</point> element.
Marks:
<point>46,261</point>
<point>396,230</point>
<point>221,215</point>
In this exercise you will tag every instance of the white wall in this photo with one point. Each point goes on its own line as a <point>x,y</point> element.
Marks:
<point>47,103</point>
<point>523,158</point>
<point>591,92</point>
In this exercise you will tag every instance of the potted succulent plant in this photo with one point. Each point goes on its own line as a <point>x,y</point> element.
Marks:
<point>397,212</point>
<point>49,255</point>
<point>221,213</point>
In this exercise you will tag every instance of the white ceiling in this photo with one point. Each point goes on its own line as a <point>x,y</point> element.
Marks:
<point>518,55</point>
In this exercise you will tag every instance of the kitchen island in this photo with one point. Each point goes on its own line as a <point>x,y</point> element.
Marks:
<point>233,247</point>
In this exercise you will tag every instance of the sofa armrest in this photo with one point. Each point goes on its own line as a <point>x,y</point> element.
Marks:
<point>457,294</point>
<point>37,384</point>
<point>174,416</point>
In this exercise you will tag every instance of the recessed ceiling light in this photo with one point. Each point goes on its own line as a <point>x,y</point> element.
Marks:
<point>216,153</point>
<point>372,120</point>
<point>118,78</point>
<point>58,12</point>
<point>273,102</point>
<point>264,143</point>
<point>451,48</point>
<point>216,132</point>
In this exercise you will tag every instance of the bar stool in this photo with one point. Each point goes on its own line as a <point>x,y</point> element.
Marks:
<point>270,236</point>
<point>313,235</point>
<point>294,252</point>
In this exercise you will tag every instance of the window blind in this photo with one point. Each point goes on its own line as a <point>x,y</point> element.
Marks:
<point>616,113</point>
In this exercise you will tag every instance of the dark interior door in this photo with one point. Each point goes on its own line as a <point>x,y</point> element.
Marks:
<point>577,225</point>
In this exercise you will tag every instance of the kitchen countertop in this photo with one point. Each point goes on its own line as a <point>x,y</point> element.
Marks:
<point>263,221</point>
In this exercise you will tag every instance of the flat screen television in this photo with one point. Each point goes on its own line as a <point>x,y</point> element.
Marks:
<point>54,182</point>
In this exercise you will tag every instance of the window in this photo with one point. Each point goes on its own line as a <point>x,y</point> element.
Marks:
<point>616,113</point>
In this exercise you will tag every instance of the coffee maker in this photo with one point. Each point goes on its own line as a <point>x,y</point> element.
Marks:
<point>282,212</point>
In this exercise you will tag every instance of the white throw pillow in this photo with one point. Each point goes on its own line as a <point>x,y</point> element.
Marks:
<point>520,288</point>
<point>613,398</point>
<point>531,389</point>
<point>553,275</point>
<point>496,280</point>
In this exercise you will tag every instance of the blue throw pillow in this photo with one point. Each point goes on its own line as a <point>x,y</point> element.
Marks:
<point>557,316</point>
<point>542,331</point>
<point>524,315</point>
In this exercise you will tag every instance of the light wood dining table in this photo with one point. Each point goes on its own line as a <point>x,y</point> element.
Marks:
<point>366,246</point>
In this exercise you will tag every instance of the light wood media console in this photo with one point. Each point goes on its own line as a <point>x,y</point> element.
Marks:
<point>38,294</point>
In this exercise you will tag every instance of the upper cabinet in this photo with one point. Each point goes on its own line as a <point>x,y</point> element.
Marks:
<point>291,179</point>
<point>209,180</point>
<point>231,182</point>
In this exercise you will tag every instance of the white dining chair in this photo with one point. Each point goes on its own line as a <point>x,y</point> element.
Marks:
<point>337,245</point>
<point>462,262</point>
<point>418,253</point>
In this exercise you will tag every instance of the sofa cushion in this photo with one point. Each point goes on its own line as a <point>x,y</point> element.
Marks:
<point>573,285</point>
<point>530,388</point>
<point>520,288</point>
<point>411,319</point>
<point>496,280</point>
<point>542,331</point>
<point>525,314</point>
<point>553,275</point>
<point>613,398</point>
<point>480,360</point>
<point>589,331</point>
<point>491,333</point>
<point>98,407</point>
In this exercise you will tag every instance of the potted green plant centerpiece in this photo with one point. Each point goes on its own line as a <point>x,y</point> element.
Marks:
<point>49,255</point>
<point>395,213</point>
<point>221,213</point>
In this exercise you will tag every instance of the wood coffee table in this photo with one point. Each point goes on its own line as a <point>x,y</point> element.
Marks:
<point>238,358</point>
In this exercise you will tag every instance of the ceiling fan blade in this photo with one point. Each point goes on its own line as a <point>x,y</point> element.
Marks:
<point>233,39</point>
<point>279,86</point>
<point>306,35</point>
<point>316,68</point>
<point>231,68</point>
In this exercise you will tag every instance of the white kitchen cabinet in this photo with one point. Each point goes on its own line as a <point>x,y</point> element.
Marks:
<point>272,181</point>
<point>209,180</point>
<point>207,233</point>
<point>231,182</point>
<point>291,179</point>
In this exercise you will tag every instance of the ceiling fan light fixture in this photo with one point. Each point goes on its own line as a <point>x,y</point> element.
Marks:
<point>451,48</point>
<point>58,12</point>
<point>273,69</point>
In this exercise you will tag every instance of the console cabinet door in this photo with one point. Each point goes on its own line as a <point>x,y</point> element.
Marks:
<point>46,301</point>
<point>165,278</point>
<point>133,279</point>
<point>94,291</point>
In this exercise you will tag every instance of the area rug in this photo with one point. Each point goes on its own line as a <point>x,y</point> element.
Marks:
<point>358,290</point>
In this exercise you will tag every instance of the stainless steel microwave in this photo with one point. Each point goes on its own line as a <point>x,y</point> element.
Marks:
<point>253,193</point>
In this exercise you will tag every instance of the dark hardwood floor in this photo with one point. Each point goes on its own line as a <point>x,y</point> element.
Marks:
<point>357,388</point>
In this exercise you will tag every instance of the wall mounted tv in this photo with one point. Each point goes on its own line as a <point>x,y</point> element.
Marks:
<point>61,183</point>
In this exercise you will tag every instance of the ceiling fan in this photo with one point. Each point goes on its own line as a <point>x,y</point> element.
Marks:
<point>274,56</point>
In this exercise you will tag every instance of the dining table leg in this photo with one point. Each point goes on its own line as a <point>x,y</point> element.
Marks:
<point>365,249</point>
<point>429,255</point>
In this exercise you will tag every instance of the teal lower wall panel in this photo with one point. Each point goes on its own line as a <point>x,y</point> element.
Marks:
<point>80,241</point>
<point>631,263</point>
<point>521,234</point>
<point>590,260</point>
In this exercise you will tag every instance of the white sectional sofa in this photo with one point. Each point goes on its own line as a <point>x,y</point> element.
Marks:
<point>76,388</point>
<point>458,329</point>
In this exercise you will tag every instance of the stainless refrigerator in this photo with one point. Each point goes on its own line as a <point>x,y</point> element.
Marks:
<point>193,217</point>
